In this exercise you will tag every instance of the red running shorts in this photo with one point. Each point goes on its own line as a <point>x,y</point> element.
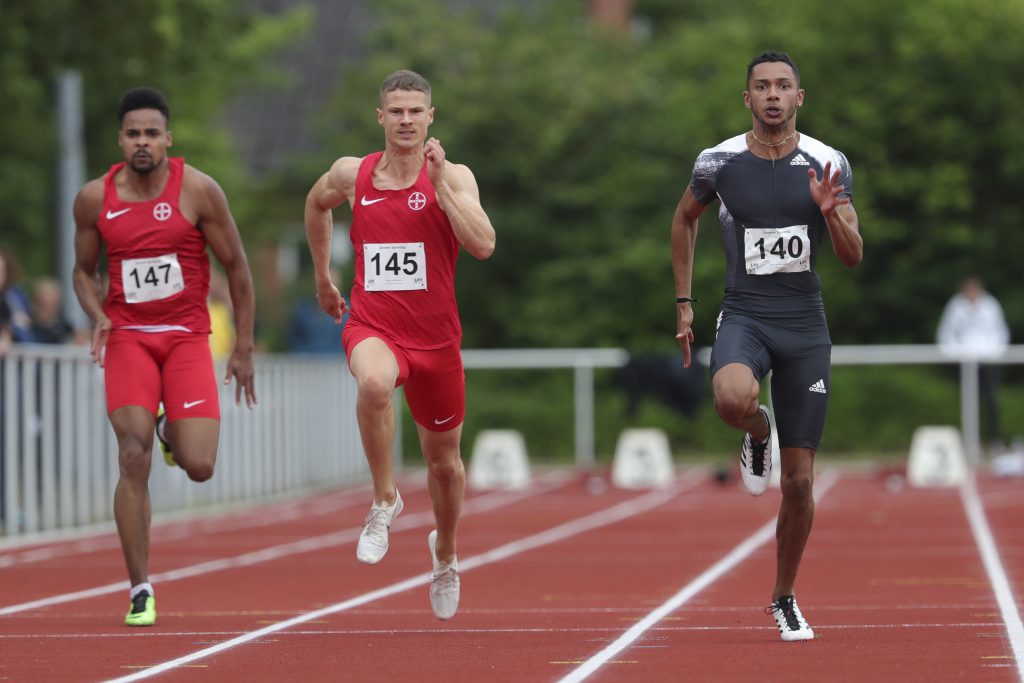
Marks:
<point>144,368</point>
<point>434,380</point>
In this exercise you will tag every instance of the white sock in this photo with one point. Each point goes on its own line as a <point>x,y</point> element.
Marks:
<point>148,587</point>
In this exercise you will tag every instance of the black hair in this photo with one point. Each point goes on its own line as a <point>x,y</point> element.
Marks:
<point>773,56</point>
<point>143,98</point>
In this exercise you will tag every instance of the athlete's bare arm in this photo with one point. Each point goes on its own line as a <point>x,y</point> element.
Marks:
<point>841,217</point>
<point>86,276</point>
<point>459,197</point>
<point>214,218</point>
<point>333,188</point>
<point>684,242</point>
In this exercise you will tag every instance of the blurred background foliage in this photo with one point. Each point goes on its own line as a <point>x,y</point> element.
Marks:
<point>582,137</point>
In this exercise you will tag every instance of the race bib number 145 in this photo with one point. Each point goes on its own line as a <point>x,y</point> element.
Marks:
<point>394,267</point>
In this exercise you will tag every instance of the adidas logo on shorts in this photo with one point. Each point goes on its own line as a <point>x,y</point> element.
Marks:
<point>799,160</point>
<point>818,387</point>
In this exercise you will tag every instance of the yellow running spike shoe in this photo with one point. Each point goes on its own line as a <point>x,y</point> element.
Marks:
<point>143,610</point>
<point>165,446</point>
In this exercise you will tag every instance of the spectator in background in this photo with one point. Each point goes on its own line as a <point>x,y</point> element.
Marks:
<point>5,328</point>
<point>49,326</point>
<point>310,331</point>
<point>222,316</point>
<point>973,326</point>
<point>15,298</point>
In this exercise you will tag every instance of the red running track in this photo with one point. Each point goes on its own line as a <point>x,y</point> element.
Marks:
<point>558,583</point>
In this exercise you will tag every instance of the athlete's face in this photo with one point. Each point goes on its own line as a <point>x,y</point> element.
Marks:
<point>773,94</point>
<point>144,139</point>
<point>406,116</point>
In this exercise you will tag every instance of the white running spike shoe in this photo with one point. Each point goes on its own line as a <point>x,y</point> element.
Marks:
<point>444,583</point>
<point>373,540</point>
<point>756,459</point>
<point>791,623</point>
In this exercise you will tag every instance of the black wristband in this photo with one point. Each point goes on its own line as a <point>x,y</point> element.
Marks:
<point>686,300</point>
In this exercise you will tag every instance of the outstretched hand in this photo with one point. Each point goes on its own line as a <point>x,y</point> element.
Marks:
<point>826,192</point>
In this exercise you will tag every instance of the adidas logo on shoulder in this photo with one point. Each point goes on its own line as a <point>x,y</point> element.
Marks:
<point>799,160</point>
<point>818,387</point>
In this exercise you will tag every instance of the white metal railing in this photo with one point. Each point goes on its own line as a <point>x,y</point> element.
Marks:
<point>58,454</point>
<point>58,461</point>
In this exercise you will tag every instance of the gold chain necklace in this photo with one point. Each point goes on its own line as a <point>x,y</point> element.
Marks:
<point>774,144</point>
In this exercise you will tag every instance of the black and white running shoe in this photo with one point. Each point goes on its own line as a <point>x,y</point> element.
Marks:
<point>756,459</point>
<point>791,623</point>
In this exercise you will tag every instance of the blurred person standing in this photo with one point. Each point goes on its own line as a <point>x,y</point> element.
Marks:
<point>412,210</point>
<point>157,216</point>
<point>780,192</point>
<point>309,330</point>
<point>18,305</point>
<point>49,326</point>
<point>5,330</point>
<point>222,317</point>
<point>973,326</point>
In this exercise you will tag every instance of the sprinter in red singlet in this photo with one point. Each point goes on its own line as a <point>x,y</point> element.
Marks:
<point>411,211</point>
<point>157,215</point>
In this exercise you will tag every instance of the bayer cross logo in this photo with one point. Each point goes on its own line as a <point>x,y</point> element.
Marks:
<point>162,211</point>
<point>417,201</point>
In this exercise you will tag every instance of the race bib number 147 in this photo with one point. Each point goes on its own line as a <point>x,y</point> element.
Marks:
<point>151,279</point>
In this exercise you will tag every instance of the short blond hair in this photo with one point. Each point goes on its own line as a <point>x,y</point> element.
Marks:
<point>403,79</point>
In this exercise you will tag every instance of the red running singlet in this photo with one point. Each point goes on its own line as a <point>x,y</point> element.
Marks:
<point>405,253</point>
<point>159,270</point>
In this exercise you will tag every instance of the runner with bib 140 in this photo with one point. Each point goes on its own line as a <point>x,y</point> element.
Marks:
<point>411,211</point>
<point>780,192</point>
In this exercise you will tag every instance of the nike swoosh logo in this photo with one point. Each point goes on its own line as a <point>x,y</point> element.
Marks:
<point>366,202</point>
<point>441,422</point>
<point>115,214</point>
<point>190,404</point>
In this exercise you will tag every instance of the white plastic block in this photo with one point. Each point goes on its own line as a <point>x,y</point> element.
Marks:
<point>936,457</point>
<point>499,461</point>
<point>642,460</point>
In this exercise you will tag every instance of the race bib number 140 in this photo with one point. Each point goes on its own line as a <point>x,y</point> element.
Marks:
<point>151,279</point>
<point>394,267</point>
<point>777,250</point>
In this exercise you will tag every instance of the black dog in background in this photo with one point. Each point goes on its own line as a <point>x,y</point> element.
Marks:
<point>663,377</point>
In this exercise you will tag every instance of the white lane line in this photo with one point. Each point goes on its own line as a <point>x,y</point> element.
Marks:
<point>595,520</point>
<point>994,568</point>
<point>712,574</point>
<point>175,525</point>
<point>472,506</point>
<point>521,630</point>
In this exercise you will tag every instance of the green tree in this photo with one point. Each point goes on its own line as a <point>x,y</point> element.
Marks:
<point>582,141</point>
<point>199,52</point>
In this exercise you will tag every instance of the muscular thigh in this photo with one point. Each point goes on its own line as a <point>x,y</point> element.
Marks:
<point>189,384</point>
<point>131,371</point>
<point>436,388</point>
<point>801,382</point>
<point>740,339</point>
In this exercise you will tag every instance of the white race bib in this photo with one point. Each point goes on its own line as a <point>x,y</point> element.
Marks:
<point>394,267</point>
<point>150,279</point>
<point>776,250</point>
